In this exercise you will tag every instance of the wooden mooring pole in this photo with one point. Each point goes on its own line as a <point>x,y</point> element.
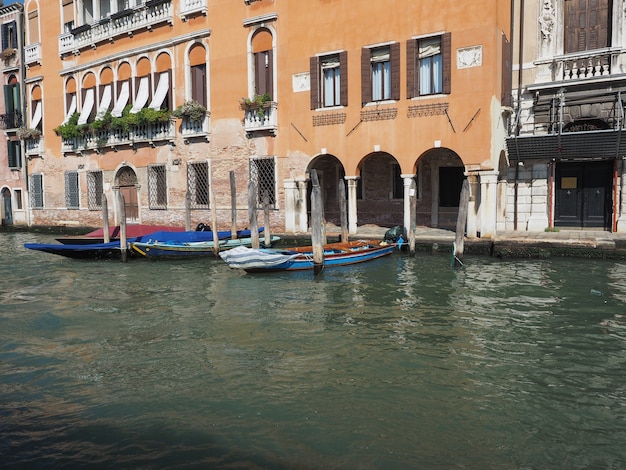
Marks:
<point>216,241</point>
<point>412,216</point>
<point>343,210</point>
<point>187,212</point>
<point>266,220</point>
<point>233,206</point>
<point>252,215</point>
<point>123,241</point>
<point>105,220</point>
<point>317,226</point>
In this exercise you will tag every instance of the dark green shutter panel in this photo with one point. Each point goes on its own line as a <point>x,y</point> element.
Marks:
<point>8,99</point>
<point>5,36</point>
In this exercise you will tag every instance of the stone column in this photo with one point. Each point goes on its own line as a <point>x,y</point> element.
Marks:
<point>352,213</point>
<point>488,203</point>
<point>407,179</point>
<point>538,219</point>
<point>472,223</point>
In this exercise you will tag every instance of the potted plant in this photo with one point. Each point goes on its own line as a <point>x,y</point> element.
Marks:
<point>8,53</point>
<point>25,133</point>
<point>191,110</point>
<point>257,103</point>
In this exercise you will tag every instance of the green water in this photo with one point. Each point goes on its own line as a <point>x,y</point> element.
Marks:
<point>399,363</point>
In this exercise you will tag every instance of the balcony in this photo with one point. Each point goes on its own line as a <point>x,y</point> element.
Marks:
<point>113,138</point>
<point>11,120</point>
<point>587,65</point>
<point>123,23</point>
<point>33,147</point>
<point>262,118</point>
<point>192,7</point>
<point>193,129</point>
<point>32,54</point>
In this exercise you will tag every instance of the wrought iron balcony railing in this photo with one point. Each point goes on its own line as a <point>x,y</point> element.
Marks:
<point>11,120</point>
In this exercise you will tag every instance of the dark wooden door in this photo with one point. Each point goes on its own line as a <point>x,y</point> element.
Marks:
<point>583,195</point>
<point>131,204</point>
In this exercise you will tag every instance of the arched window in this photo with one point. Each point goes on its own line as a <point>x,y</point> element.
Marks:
<point>197,73</point>
<point>36,108</point>
<point>70,99</point>
<point>263,62</point>
<point>105,92</point>
<point>161,99</point>
<point>88,98</point>
<point>143,85</point>
<point>122,89</point>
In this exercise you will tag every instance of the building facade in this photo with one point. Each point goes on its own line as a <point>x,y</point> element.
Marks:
<point>167,102</point>
<point>13,209</point>
<point>566,150</point>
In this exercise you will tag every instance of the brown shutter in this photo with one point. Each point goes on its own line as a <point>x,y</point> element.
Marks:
<point>507,73</point>
<point>314,68</point>
<point>394,51</point>
<point>366,76</point>
<point>446,51</point>
<point>410,68</point>
<point>587,25</point>
<point>198,84</point>
<point>270,74</point>
<point>343,78</point>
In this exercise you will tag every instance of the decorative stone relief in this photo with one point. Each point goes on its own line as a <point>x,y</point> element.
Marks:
<point>547,21</point>
<point>301,82</point>
<point>469,57</point>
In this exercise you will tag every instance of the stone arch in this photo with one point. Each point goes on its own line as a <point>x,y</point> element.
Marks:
<point>127,184</point>
<point>441,175</point>
<point>329,170</point>
<point>6,207</point>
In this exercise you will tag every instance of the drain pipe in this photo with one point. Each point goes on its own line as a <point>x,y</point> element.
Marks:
<point>520,62</point>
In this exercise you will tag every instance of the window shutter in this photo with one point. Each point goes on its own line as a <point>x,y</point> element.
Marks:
<point>410,68</point>
<point>394,50</point>
<point>366,76</point>
<point>5,36</point>
<point>198,84</point>
<point>507,73</point>
<point>343,73</point>
<point>314,68</point>
<point>8,98</point>
<point>13,34</point>
<point>446,52</point>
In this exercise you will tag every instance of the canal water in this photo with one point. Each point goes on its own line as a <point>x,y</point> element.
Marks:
<point>401,363</point>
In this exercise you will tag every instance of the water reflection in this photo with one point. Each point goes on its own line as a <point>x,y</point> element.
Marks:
<point>405,363</point>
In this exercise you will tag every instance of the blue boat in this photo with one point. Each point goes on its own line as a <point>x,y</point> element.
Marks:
<point>172,249</point>
<point>112,250</point>
<point>301,258</point>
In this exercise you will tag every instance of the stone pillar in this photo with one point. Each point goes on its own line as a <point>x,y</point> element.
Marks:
<point>407,179</point>
<point>291,204</point>
<point>352,213</point>
<point>302,205</point>
<point>538,219</point>
<point>488,203</point>
<point>621,197</point>
<point>472,223</point>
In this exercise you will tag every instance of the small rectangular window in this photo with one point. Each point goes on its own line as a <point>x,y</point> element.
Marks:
<point>157,187</point>
<point>198,185</point>
<point>94,190</point>
<point>36,191</point>
<point>18,199</point>
<point>263,173</point>
<point>381,74</point>
<point>428,65</point>
<point>71,190</point>
<point>14,150</point>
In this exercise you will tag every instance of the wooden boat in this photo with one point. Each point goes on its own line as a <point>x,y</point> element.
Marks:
<point>301,258</point>
<point>111,250</point>
<point>162,250</point>
<point>132,231</point>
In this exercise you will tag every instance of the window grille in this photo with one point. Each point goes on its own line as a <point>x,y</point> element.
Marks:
<point>71,190</point>
<point>157,187</point>
<point>94,190</point>
<point>36,191</point>
<point>263,173</point>
<point>198,185</point>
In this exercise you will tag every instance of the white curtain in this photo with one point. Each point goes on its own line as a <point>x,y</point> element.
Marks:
<point>105,102</point>
<point>161,92</point>
<point>381,74</point>
<point>122,100</point>
<point>71,110</point>
<point>36,119</point>
<point>430,64</point>
<point>142,96</point>
<point>332,80</point>
<point>87,106</point>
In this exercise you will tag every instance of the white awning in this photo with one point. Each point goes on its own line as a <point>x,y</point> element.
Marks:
<point>142,96</point>
<point>161,92</point>
<point>122,100</point>
<point>71,110</point>
<point>105,102</point>
<point>87,106</point>
<point>36,119</point>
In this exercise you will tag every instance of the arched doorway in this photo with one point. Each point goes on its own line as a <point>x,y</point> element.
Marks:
<point>7,208</point>
<point>441,173</point>
<point>329,171</point>
<point>126,181</point>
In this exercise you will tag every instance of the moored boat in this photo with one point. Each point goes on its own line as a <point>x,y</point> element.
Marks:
<point>162,250</point>
<point>301,258</point>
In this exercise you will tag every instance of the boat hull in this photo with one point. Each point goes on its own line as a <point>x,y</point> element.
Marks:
<point>301,258</point>
<point>157,250</point>
<point>98,251</point>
